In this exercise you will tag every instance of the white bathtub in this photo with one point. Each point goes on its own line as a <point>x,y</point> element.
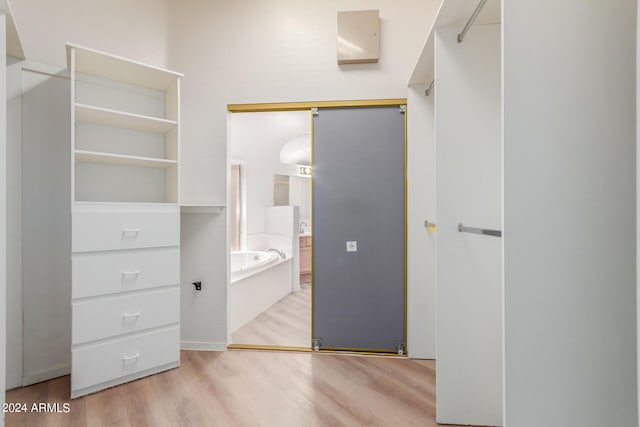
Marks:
<point>258,280</point>
<point>248,263</point>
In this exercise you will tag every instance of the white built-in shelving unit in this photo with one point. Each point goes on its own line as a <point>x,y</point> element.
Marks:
<point>520,143</point>
<point>125,120</point>
<point>464,103</point>
<point>451,14</point>
<point>125,136</point>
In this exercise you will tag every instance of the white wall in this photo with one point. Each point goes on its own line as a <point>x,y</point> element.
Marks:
<point>256,140</point>
<point>570,213</point>
<point>3,213</point>
<point>133,29</point>
<point>468,190</point>
<point>421,243</point>
<point>231,52</point>
<point>282,50</point>
<point>202,326</point>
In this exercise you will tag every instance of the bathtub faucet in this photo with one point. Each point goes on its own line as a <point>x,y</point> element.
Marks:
<point>281,253</point>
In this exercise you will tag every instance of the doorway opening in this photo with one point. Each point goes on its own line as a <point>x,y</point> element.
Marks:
<point>362,308</point>
<point>270,229</point>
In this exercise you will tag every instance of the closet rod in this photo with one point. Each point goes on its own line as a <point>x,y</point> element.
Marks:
<point>430,88</point>
<point>464,229</point>
<point>471,21</point>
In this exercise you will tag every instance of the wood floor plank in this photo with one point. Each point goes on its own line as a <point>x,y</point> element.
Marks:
<point>251,388</point>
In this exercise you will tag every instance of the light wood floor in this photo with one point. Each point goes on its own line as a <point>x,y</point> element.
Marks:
<point>252,388</point>
<point>287,323</point>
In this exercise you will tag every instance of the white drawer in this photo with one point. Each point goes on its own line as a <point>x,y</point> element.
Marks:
<point>116,315</point>
<point>103,273</point>
<point>103,227</point>
<point>97,364</point>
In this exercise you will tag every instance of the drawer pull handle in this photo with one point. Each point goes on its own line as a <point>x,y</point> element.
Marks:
<point>130,273</point>
<point>135,231</point>
<point>132,357</point>
<point>126,315</point>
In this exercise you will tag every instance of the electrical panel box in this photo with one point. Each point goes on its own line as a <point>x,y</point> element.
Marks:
<point>358,36</point>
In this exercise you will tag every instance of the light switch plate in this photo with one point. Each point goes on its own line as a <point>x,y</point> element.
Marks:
<point>352,246</point>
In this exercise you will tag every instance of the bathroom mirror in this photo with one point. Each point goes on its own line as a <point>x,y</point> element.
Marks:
<point>280,190</point>
<point>289,190</point>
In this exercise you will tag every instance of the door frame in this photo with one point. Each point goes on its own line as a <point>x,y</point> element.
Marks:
<point>310,106</point>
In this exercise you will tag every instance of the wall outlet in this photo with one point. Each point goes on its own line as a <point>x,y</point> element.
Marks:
<point>352,246</point>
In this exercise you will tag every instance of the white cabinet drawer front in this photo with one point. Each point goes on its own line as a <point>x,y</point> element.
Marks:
<point>105,362</point>
<point>124,229</point>
<point>103,273</point>
<point>112,316</point>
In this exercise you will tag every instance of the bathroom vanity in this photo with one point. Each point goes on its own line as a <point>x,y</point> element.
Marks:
<point>305,258</point>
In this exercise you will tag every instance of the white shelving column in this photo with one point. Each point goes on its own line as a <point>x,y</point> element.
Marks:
<point>10,45</point>
<point>465,124</point>
<point>563,290</point>
<point>569,162</point>
<point>125,136</point>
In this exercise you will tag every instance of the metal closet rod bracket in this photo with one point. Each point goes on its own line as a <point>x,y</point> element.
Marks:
<point>430,88</point>
<point>471,20</point>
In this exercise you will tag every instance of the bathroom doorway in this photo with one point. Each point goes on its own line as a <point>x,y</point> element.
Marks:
<point>270,241</point>
<point>361,306</point>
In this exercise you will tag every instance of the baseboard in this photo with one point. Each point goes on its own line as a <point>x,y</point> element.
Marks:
<point>203,346</point>
<point>422,357</point>
<point>38,377</point>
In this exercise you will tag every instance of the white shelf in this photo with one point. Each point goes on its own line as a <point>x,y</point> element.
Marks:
<point>112,67</point>
<point>201,208</point>
<point>452,13</point>
<point>14,45</point>
<point>115,206</point>
<point>122,160</point>
<point>114,118</point>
